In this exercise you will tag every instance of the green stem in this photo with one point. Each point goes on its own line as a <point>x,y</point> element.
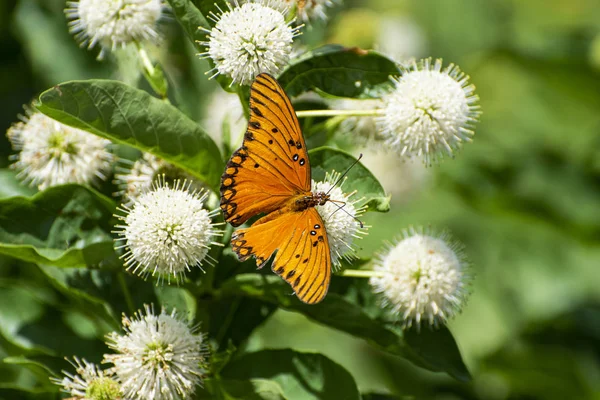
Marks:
<point>335,113</point>
<point>145,59</point>
<point>361,273</point>
<point>126,293</point>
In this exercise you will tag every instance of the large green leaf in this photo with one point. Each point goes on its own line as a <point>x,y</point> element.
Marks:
<point>340,71</point>
<point>131,116</point>
<point>301,375</point>
<point>359,178</point>
<point>64,225</point>
<point>434,350</point>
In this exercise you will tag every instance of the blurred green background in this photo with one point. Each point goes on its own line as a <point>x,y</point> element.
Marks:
<point>524,197</point>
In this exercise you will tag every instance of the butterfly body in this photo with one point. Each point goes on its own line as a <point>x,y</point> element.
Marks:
<point>270,175</point>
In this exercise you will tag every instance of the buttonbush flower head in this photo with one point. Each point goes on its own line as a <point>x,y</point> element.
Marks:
<point>430,111</point>
<point>422,278</point>
<point>340,218</point>
<point>89,382</point>
<point>167,231</point>
<point>144,172</point>
<point>159,357</point>
<point>113,23</point>
<point>52,154</point>
<point>248,40</point>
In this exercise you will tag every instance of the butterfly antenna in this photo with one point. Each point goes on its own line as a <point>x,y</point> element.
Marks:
<point>342,208</point>
<point>345,173</point>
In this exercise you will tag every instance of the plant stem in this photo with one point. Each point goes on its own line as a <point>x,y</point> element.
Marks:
<point>145,59</point>
<point>362,273</point>
<point>335,113</point>
<point>125,289</point>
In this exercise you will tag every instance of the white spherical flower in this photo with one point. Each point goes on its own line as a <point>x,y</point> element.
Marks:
<point>52,154</point>
<point>430,112</point>
<point>140,177</point>
<point>159,357</point>
<point>167,231</point>
<point>90,382</point>
<point>340,217</point>
<point>248,40</point>
<point>114,23</point>
<point>422,278</point>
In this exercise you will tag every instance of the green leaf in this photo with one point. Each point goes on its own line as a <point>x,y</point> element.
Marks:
<point>14,391</point>
<point>209,7</point>
<point>339,313</point>
<point>252,389</point>
<point>10,185</point>
<point>195,14</point>
<point>177,298</point>
<point>64,225</point>
<point>123,114</point>
<point>231,320</point>
<point>157,80</point>
<point>76,285</point>
<point>191,19</point>
<point>437,350</point>
<point>100,292</point>
<point>300,375</point>
<point>359,178</point>
<point>340,71</point>
<point>22,305</point>
<point>41,371</point>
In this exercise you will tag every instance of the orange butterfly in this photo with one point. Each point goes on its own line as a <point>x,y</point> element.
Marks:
<point>270,174</point>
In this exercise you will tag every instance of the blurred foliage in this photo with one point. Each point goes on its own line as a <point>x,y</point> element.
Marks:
<point>524,198</point>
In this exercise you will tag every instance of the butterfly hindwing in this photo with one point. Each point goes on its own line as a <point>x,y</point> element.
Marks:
<point>302,252</point>
<point>272,164</point>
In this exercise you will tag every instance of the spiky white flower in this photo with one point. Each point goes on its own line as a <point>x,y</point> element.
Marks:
<point>90,382</point>
<point>144,172</point>
<point>340,218</point>
<point>248,40</point>
<point>52,154</point>
<point>167,231</point>
<point>422,278</point>
<point>159,357</point>
<point>430,112</point>
<point>114,23</point>
<point>306,10</point>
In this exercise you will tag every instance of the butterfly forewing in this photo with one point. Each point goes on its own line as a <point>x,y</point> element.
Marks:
<point>270,174</point>
<point>303,258</point>
<point>272,164</point>
<point>276,132</point>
